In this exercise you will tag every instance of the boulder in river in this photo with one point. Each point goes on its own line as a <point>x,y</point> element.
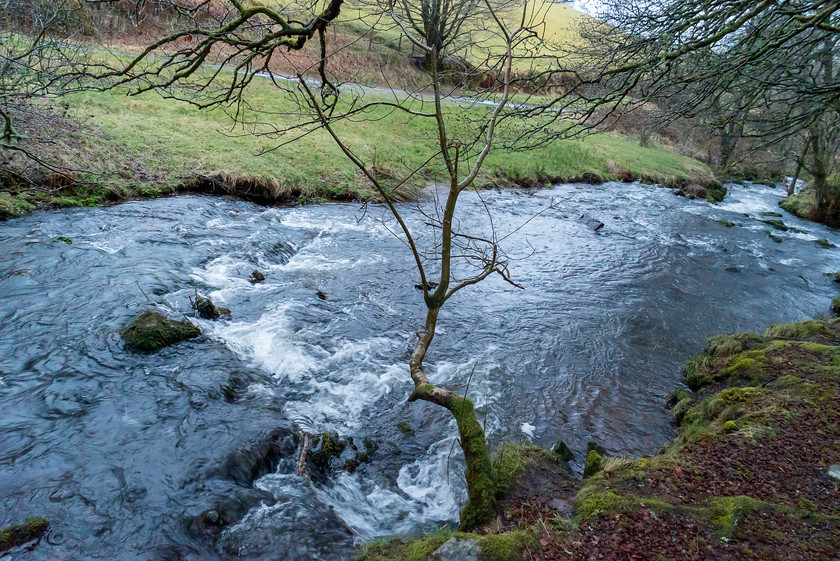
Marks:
<point>256,277</point>
<point>207,310</point>
<point>151,331</point>
<point>20,534</point>
<point>592,223</point>
<point>259,457</point>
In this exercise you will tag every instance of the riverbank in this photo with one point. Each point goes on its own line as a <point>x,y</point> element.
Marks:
<point>753,474</point>
<point>112,148</point>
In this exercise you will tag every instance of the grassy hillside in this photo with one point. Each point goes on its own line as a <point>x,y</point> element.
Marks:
<point>149,146</point>
<point>556,22</point>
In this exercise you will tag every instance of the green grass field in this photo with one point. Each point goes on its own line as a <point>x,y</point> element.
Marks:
<point>150,145</point>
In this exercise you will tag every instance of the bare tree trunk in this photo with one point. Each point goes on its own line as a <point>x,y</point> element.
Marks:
<point>730,134</point>
<point>819,173</point>
<point>792,187</point>
<point>481,489</point>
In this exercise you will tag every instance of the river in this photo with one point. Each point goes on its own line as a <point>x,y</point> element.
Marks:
<point>122,451</point>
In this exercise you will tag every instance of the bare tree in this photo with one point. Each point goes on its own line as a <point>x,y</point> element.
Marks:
<point>765,71</point>
<point>36,53</point>
<point>229,49</point>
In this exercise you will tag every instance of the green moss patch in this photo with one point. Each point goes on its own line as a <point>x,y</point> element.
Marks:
<point>505,546</point>
<point>14,206</point>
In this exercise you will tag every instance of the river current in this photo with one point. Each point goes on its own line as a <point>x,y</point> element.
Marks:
<point>123,451</point>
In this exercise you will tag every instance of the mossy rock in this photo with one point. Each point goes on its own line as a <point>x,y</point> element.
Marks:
<point>14,207</point>
<point>772,214</point>
<point>562,451</point>
<point>725,223</point>
<point>207,310</point>
<point>594,463</point>
<point>825,243</point>
<point>64,239</point>
<point>802,204</point>
<point>256,277</point>
<point>330,446</point>
<point>776,224</point>
<point>715,195</point>
<point>20,534</point>
<point>151,331</point>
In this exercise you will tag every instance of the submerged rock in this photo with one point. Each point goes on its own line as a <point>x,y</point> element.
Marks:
<point>207,310</point>
<point>592,223</point>
<point>824,243</point>
<point>256,277</point>
<point>226,511</point>
<point>406,429</point>
<point>362,457</point>
<point>20,534</point>
<point>776,239</point>
<point>248,464</point>
<point>329,446</point>
<point>151,331</point>
<point>777,224</point>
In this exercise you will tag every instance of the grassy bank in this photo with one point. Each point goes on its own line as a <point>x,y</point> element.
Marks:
<point>148,146</point>
<point>754,473</point>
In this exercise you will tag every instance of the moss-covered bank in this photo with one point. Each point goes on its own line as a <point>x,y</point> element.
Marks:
<point>752,474</point>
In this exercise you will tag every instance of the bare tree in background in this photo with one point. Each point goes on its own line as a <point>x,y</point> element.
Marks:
<point>37,54</point>
<point>766,71</point>
<point>217,54</point>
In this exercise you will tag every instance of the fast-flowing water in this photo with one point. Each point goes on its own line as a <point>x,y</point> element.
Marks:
<point>122,451</point>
